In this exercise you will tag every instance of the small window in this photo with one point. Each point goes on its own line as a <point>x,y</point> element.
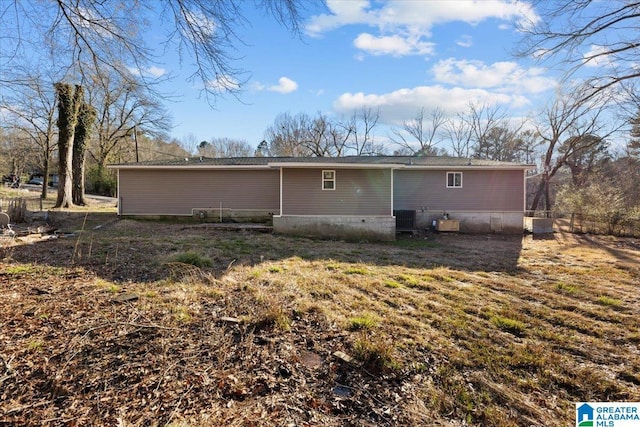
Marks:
<point>328,180</point>
<point>454,179</point>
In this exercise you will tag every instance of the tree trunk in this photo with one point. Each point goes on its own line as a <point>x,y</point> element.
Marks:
<point>68,107</point>
<point>45,177</point>
<point>536,198</point>
<point>86,118</point>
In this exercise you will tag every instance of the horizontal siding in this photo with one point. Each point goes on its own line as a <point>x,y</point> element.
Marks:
<point>357,192</point>
<point>486,190</point>
<point>176,192</point>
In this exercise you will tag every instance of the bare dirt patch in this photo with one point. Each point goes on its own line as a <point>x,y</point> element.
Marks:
<point>102,325</point>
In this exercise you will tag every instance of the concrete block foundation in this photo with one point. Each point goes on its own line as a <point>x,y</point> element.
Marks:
<point>355,228</point>
<point>232,215</point>
<point>476,222</point>
<point>538,225</point>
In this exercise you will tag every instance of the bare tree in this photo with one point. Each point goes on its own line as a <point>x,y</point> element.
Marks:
<point>361,126</point>
<point>483,121</point>
<point>224,147</point>
<point>585,156</point>
<point>570,118</point>
<point>286,136</point>
<point>16,151</point>
<point>584,33</point>
<point>125,109</point>
<point>92,35</point>
<point>30,108</point>
<point>302,135</point>
<point>420,135</point>
<point>460,134</point>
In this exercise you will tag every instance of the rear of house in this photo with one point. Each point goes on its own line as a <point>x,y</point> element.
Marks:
<point>346,197</point>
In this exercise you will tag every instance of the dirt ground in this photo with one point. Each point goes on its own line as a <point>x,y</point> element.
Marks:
<point>102,325</point>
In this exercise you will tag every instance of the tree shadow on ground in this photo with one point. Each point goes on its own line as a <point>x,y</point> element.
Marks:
<point>124,250</point>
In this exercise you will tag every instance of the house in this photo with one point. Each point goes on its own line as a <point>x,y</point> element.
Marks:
<point>347,197</point>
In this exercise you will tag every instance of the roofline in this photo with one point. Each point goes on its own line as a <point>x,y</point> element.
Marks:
<point>320,165</point>
<point>187,166</point>
<point>469,167</point>
<point>333,165</point>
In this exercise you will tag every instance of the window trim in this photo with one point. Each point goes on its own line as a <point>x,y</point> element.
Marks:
<point>326,180</point>
<point>454,179</point>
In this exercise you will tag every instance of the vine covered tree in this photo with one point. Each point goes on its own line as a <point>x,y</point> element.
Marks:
<point>86,120</point>
<point>69,101</point>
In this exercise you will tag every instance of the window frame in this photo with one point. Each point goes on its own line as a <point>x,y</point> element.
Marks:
<point>452,173</point>
<point>327,180</point>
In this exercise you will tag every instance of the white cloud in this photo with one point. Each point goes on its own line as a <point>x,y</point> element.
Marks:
<point>464,41</point>
<point>594,57</point>
<point>395,45</point>
<point>402,26</point>
<point>504,76</point>
<point>151,71</point>
<point>285,85</point>
<point>204,25</point>
<point>342,13</point>
<point>403,103</point>
<point>224,83</point>
<point>417,16</point>
<point>156,71</point>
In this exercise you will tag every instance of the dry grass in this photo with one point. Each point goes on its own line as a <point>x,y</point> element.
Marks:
<point>443,329</point>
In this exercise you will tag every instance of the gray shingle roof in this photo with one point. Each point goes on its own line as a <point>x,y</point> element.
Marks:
<point>435,161</point>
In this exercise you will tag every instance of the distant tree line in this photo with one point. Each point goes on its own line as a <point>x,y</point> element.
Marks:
<point>584,143</point>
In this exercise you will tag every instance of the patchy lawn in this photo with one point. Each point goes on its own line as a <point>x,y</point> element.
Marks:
<point>153,323</point>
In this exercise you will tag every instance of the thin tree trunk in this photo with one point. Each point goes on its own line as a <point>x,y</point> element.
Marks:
<point>45,177</point>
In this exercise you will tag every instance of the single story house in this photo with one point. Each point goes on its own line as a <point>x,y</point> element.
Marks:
<point>347,197</point>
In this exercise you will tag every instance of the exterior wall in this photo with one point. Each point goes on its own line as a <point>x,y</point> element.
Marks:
<point>477,221</point>
<point>357,192</point>
<point>180,192</point>
<point>338,227</point>
<point>482,190</point>
<point>490,201</point>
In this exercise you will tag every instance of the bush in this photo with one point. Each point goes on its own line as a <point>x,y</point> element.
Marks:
<point>101,181</point>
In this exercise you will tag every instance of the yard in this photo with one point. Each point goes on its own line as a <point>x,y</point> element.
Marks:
<point>126,322</point>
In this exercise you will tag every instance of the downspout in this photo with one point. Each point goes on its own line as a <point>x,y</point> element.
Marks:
<point>118,191</point>
<point>524,192</point>
<point>281,172</point>
<point>392,173</point>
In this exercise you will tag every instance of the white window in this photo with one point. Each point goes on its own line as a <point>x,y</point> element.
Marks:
<point>454,179</point>
<point>328,180</point>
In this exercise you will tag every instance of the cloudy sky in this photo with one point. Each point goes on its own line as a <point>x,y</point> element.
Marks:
<point>398,56</point>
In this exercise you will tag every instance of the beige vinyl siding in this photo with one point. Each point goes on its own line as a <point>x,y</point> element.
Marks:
<point>482,190</point>
<point>177,192</point>
<point>357,192</point>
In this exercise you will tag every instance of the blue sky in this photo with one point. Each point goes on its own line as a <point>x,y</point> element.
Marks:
<point>398,56</point>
